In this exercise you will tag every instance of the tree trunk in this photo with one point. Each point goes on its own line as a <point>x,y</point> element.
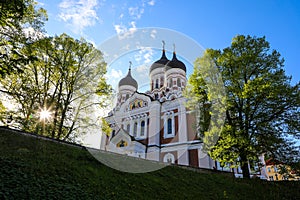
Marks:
<point>244,166</point>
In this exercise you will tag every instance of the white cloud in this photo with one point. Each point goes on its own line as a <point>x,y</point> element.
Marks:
<point>40,3</point>
<point>151,3</point>
<point>123,31</point>
<point>148,57</point>
<point>136,12</point>
<point>79,14</point>
<point>142,69</point>
<point>120,29</point>
<point>116,73</point>
<point>144,55</point>
<point>113,77</point>
<point>153,34</point>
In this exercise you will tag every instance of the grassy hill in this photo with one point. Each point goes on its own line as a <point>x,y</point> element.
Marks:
<point>32,168</point>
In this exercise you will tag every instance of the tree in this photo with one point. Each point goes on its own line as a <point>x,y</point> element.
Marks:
<point>65,82</point>
<point>262,107</point>
<point>20,22</point>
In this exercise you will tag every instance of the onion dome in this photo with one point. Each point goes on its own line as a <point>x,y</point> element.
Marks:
<point>175,63</point>
<point>128,80</point>
<point>162,61</point>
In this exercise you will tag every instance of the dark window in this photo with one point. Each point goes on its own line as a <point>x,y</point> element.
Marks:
<point>156,83</point>
<point>178,82</point>
<point>142,128</point>
<point>161,81</point>
<point>170,83</point>
<point>122,143</point>
<point>169,126</point>
<point>113,133</point>
<point>127,96</point>
<point>128,128</point>
<point>152,85</point>
<point>135,129</point>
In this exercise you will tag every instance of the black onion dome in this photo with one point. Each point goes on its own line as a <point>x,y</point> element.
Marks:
<point>175,63</point>
<point>128,80</point>
<point>160,63</point>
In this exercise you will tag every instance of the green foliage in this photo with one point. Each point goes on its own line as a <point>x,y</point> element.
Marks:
<point>2,113</point>
<point>20,23</point>
<point>105,127</point>
<point>32,168</point>
<point>284,171</point>
<point>65,79</point>
<point>262,107</point>
<point>206,96</point>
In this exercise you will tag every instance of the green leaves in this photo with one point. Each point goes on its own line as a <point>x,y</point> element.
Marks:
<point>67,78</point>
<point>16,19</point>
<point>259,99</point>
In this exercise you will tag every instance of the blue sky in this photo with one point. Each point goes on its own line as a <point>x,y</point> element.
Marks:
<point>211,24</point>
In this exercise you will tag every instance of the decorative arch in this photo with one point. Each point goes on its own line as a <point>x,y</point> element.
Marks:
<point>122,143</point>
<point>169,158</point>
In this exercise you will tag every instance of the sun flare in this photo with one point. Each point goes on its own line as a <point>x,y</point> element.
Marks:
<point>45,114</point>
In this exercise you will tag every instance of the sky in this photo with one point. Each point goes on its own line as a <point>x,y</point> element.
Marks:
<point>209,24</point>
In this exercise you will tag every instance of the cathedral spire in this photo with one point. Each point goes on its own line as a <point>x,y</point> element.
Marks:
<point>130,64</point>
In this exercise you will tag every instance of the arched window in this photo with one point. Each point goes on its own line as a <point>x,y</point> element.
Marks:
<point>156,83</point>
<point>152,83</point>
<point>143,128</point>
<point>169,131</point>
<point>178,82</point>
<point>127,96</point>
<point>128,128</point>
<point>170,82</point>
<point>169,158</point>
<point>135,129</point>
<point>161,81</point>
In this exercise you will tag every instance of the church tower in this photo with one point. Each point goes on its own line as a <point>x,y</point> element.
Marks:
<point>157,75</point>
<point>168,77</point>
<point>175,72</point>
<point>127,86</point>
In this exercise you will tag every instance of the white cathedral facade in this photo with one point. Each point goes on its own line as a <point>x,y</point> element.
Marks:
<point>156,125</point>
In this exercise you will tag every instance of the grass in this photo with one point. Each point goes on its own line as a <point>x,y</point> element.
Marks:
<point>32,168</point>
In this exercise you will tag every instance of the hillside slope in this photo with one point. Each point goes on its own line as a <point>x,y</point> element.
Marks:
<point>32,168</point>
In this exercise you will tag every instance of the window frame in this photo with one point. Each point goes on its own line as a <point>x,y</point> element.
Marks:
<point>167,116</point>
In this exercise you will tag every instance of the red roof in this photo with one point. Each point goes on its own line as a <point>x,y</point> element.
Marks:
<point>272,161</point>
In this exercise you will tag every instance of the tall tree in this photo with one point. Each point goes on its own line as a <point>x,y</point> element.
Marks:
<point>262,107</point>
<point>65,82</point>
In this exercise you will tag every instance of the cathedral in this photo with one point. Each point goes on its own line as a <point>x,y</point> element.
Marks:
<point>156,125</point>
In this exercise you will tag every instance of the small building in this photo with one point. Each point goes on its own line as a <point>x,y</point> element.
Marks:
<point>278,171</point>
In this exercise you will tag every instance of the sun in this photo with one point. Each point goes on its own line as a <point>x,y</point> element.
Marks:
<point>45,114</point>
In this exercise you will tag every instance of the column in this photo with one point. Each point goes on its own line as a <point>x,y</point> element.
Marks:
<point>182,128</point>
